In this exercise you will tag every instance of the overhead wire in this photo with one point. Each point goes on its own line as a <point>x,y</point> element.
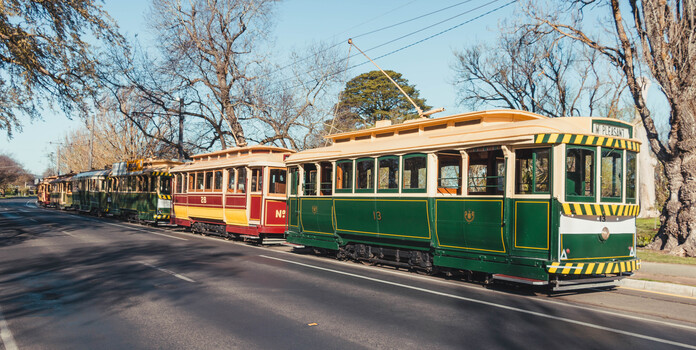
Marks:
<point>405,46</point>
<point>369,33</point>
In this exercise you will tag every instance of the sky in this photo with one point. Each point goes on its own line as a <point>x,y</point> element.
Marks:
<point>424,47</point>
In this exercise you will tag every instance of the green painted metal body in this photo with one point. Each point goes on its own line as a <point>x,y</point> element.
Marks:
<point>141,204</point>
<point>518,237</point>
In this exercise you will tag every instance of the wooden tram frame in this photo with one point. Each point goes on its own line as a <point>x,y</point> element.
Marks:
<point>527,232</point>
<point>204,201</point>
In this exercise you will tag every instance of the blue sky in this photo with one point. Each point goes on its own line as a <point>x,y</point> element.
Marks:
<point>299,23</point>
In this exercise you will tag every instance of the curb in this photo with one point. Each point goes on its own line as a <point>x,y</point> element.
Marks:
<point>671,288</point>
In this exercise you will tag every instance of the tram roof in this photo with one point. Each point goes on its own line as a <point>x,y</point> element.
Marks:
<point>258,155</point>
<point>93,174</point>
<point>461,131</point>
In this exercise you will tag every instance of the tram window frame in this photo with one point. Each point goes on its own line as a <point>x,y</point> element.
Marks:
<point>344,176</point>
<point>232,180</point>
<point>277,181</point>
<point>494,184</point>
<point>293,175</point>
<point>309,182</point>
<point>241,180</point>
<point>443,183</point>
<point>534,156</point>
<point>200,182</point>
<point>593,174</point>
<point>217,181</point>
<point>191,182</point>
<point>408,158</point>
<point>208,181</point>
<point>359,176</point>
<point>631,177</point>
<point>611,199</point>
<point>165,185</point>
<point>256,180</point>
<point>326,179</point>
<point>392,175</point>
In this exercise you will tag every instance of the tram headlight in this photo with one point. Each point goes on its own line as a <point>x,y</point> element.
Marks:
<point>604,235</point>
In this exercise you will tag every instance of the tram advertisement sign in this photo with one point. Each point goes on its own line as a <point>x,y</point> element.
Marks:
<point>611,130</point>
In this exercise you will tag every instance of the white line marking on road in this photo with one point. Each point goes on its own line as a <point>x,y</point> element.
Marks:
<point>500,306</point>
<point>68,233</point>
<point>168,271</point>
<point>30,206</point>
<point>6,335</point>
<point>30,219</point>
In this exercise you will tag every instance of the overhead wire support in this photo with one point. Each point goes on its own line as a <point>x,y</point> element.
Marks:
<point>420,111</point>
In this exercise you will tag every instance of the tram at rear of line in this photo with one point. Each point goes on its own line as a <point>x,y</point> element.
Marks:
<point>43,191</point>
<point>61,192</point>
<point>504,194</point>
<point>238,192</point>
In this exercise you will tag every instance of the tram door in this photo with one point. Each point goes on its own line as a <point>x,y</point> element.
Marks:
<point>256,194</point>
<point>293,201</point>
<point>530,205</point>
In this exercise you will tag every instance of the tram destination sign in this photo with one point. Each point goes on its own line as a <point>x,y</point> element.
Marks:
<point>611,130</point>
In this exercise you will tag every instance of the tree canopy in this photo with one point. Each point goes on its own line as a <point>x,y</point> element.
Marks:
<point>44,58</point>
<point>370,97</point>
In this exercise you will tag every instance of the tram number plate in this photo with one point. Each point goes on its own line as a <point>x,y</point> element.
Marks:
<point>280,214</point>
<point>377,215</point>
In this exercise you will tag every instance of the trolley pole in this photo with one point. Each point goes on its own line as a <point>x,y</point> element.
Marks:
<point>181,129</point>
<point>91,144</point>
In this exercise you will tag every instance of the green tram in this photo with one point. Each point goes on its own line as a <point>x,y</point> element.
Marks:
<point>89,191</point>
<point>505,194</point>
<point>61,192</point>
<point>141,190</point>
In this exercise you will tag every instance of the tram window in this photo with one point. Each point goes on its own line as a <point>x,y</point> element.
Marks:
<point>191,181</point>
<point>611,175</point>
<point>532,171</point>
<point>486,172</point>
<point>414,178</point>
<point>277,182</point>
<point>344,176</point>
<point>218,180</point>
<point>200,184</point>
<point>388,174</point>
<point>326,179</point>
<point>231,184</point>
<point>256,180</point>
<point>310,180</point>
<point>178,183</point>
<point>165,185</point>
<point>208,180</point>
<point>631,166</point>
<point>449,174</point>
<point>241,180</point>
<point>294,177</point>
<point>580,174</point>
<point>365,169</point>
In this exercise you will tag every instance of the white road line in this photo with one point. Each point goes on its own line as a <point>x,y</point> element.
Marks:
<point>30,219</point>
<point>142,230</point>
<point>68,233</point>
<point>6,335</point>
<point>487,303</point>
<point>168,271</point>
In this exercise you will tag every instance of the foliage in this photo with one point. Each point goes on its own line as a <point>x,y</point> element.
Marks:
<point>370,97</point>
<point>12,173</point>
<point>537,73</point>
<point>646,229</point>
<point>43,57</point>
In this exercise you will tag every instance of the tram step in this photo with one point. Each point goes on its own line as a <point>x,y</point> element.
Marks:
<point>521,280</point>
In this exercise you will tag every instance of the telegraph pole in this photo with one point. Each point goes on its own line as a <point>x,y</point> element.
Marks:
<point>181,129</point>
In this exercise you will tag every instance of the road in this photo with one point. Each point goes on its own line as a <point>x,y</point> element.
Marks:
<point>69,281</point>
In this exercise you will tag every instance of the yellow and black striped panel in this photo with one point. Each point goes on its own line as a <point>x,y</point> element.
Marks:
<point>164,196</point>
<point>161,217</point>
<point>600,209</point>
<point>587,140</point>
<point>594,268</point>
<point>161,173</point>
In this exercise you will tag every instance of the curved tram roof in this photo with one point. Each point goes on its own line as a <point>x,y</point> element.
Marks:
<point>258,155</point>
<point>459,131</point>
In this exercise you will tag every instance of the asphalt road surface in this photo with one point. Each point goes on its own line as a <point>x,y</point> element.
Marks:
<point>77,282</point>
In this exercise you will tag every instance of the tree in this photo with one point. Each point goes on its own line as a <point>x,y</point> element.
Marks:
<point>370,97</point>
<point>12,173</point>
<point>43,57</point>
<point>658,39</point>
<point>537,73</point>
